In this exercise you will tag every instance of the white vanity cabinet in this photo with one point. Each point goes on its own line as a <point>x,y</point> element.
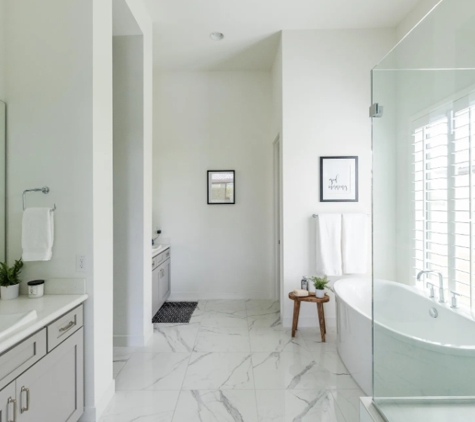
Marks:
<point>52,389</point>
<point>161,280</point>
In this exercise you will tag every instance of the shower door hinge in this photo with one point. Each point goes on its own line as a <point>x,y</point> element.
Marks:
<point>376,110</point>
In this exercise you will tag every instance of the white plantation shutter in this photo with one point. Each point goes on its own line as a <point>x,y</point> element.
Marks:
<point>442,188</point>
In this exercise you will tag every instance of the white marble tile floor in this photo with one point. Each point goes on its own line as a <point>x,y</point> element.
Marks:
<point>234,362</point>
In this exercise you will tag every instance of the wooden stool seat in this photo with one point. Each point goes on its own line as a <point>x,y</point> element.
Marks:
<point>321,312</point>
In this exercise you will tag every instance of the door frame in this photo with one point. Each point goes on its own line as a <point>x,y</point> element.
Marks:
<point>278,233</point>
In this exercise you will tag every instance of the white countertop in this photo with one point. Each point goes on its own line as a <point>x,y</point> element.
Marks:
<point>159,250</point>
<point>48,308</point>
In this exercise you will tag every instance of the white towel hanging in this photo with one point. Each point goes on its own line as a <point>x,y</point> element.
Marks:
<point>37,234</point>
<point>328,244</point>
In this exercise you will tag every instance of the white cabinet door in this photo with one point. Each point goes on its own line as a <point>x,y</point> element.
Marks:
<point>52,389</point>
<point>167,279</point>
<point>161,284</point>
<point>8,403</point>
<point>155,291</point>
<point>164,281</point>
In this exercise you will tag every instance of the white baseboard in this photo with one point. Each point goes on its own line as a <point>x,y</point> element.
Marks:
<point>132,341</point>
<point>148,334</point>
<point>309,322</point>
<point>195,296</point>
<point>93,414</point>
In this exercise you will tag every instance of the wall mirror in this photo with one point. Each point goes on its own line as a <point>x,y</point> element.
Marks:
<point>3,109</point>
<point>221,187</point>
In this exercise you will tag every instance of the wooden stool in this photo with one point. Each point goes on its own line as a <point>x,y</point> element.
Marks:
<point>321,313</point>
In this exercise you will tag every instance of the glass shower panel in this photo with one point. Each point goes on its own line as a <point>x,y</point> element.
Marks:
<point>423,225</point>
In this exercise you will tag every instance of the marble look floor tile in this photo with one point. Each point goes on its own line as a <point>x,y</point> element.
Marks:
<point>219,339</point>
<point>272,321</point>
<point>153,371</point>
<point>313,339</point>
<point>275,340</point>
<point>201,306</point>
<point>297,406</point>
<point>123,354</point>
<point>117,367</point>
<point>261,307</point>
<point>225,306</point>
<point>287,371</point>
<point>173,338</point>
<point>216,406</point>
<point>336,374</point>
<point>215,371</point>
<point>199,312</point>
<point>143,406</point>
<point>348,401</point>
<point>330,360</point>
<point>236,319</point>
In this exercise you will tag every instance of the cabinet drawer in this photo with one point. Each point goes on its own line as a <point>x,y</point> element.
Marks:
<point>17,360</point>
<point>159,259</point>
<point>64,327</point>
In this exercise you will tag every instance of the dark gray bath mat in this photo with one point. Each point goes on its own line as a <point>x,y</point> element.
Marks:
<point>175,312</point>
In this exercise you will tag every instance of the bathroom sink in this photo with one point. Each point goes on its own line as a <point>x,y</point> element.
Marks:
<point>11,322</point>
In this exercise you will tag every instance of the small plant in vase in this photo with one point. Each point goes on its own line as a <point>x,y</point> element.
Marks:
<point>320,283</point>
<point>10,279</point>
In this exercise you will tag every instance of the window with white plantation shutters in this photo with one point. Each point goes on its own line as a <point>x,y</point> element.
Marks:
<point>443,173</point>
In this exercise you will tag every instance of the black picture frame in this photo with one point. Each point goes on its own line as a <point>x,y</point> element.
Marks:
<point>322,170</point>
<point>209,172</point>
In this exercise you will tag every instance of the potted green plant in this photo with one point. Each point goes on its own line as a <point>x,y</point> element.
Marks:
<point>9,279</point>
<point>320,283</point>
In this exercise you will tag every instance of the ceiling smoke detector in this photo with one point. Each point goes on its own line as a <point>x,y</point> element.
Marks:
<point>216,36</point>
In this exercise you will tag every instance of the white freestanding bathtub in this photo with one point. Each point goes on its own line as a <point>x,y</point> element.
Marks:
<point>416,354</point>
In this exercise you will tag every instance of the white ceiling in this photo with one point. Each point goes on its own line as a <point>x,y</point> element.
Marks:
<point>251,28</point>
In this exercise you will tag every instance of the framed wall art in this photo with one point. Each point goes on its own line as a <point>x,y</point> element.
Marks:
<point>339,179</point>
<point>221,187</point>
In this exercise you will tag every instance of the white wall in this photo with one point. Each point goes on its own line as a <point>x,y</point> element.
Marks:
<point>211,121</point>
<point>59,94</point>
<point>2,49</point>
<point>326,95</point>
<point>142,18</point>
<point>276,74</point>
<point>100,285</point>
<point>129,251</point>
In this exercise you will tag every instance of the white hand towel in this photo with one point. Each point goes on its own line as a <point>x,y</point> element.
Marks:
<point>328,237</point>
<point>355,243</point>
<point>37,236</point>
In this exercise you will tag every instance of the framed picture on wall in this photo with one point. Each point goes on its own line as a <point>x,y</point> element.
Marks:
<point>221,187</point>
<point>339,179</point>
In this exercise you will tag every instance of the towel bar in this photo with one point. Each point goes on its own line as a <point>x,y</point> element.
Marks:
<point>44,189</point>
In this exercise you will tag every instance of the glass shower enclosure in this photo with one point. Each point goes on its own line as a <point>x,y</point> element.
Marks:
<point>423,221</point>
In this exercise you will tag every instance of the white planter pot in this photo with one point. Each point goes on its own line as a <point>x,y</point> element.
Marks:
<point>319,293</point>
<point>10,292</point>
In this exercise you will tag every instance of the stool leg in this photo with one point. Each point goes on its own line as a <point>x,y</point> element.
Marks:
<point>321,321</point>
<point>324,320</point>
<point>295,321</point>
